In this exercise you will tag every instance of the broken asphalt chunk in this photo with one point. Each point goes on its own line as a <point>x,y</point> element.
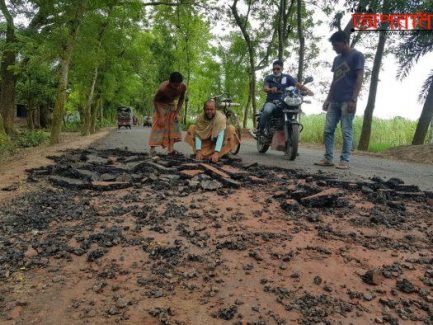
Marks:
<point>210,185</point>
<point>109,186</point>
<point>373,277</point>
<point>67,182</point>
<point>322,199</point>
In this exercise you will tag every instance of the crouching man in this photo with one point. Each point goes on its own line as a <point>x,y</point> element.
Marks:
<point>211,138</point>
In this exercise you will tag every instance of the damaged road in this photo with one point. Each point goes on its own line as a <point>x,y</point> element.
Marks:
<point>111,236</point>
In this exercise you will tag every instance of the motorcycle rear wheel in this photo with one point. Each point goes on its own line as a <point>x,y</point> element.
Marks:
<point>293,142</point>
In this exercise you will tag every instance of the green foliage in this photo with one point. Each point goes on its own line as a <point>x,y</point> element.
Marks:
<point>134,48</point>
<point>7,147</point>
<point>32,138</point>
<point>385,133</point>
<point>73,126</point>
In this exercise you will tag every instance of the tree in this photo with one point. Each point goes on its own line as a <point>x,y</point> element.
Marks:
<point>410,50</point>
<point>235,71</point>
<point>88,113</point>
<point>2,129</point>
<point>301,39</point>
<point>7,73</point>
<point>242,23</point>
<point>70,34</point>
<point>368,112</point>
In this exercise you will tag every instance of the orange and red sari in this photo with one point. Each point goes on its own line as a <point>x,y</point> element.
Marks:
<point>165,128</point>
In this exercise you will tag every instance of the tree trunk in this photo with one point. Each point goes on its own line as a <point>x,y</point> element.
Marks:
<point>188,78</point>
<point>425,118</point>
<point>45,115</point>
<point>37,117</point>
<point>89,123</point>
<point>249,44</point>
<point>253,92</point>
<point>2,129</point>
<point>58,113</point>
<point>86,125</point>
<point>431,131</point>
<point>30,115</point>
<point>94,117</point>
<point>364,141</point>
<point>281,27</point>
<point>301,39</point>
<point>65,60</point>
<point>7,75</point>
<point>101,107</point>
<point>247,108</point>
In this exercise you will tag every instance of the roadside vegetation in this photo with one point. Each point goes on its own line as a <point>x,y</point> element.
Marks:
<point>22,139</point>
<point>83,61</point>
<point>386,133</point>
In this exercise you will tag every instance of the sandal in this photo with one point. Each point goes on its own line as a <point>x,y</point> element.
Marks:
<point>324,163</point>
<point>174,153</point>
<point>343,165</point>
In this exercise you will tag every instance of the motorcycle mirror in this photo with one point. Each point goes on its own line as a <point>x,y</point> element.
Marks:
<point>308,79</point>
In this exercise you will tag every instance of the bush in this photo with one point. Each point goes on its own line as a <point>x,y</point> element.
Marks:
<point>72,126</point>
<point>31,138</point>
<point>106,123</point>
<point>7,147</point>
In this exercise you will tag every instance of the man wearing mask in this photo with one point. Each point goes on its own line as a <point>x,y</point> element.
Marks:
<point>274,85</point>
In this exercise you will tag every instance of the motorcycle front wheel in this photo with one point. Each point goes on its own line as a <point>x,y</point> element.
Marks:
<point>262,146</point>
<point>293,142</point>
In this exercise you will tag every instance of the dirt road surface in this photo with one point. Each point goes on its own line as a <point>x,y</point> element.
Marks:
<point>112,236</point>
<point>362,165</point>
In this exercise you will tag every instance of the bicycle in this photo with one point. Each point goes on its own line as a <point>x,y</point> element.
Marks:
<point>224,103</point>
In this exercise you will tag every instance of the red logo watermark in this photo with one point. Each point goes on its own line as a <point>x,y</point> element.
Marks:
<point>420,21</point>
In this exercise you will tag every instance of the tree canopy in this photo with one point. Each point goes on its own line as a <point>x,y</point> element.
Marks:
<point>67,58</point>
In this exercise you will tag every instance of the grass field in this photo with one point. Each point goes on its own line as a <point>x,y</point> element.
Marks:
<point>385,133</point>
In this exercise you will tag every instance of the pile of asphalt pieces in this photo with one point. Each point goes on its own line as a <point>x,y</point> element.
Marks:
<point>79,176</point>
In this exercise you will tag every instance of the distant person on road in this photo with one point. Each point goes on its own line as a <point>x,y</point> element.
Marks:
<point>165,128</point>
<point>274,85</point>
<point>340,105</point>
<point>211,137</point>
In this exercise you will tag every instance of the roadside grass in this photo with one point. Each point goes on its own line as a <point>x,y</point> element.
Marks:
<point>24,139</point>
<point>385,133</point>
<point>7,147</point>
<point>31,138</point>
<point>75,126</point>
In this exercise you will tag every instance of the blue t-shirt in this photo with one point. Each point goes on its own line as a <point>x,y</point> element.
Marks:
<point>344,68</point>
<point>280,82</point>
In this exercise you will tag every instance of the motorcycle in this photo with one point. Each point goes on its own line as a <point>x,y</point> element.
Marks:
<point>283,128</point>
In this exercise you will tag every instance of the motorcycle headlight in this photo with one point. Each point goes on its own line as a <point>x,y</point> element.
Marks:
<point>293,101</point>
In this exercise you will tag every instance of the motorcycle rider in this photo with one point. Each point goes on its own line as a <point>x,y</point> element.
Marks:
<point>274,85</point>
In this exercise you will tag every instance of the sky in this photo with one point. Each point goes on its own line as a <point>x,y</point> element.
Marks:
<point>394,97</point>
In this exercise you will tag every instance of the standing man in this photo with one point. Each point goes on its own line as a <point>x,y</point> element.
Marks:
<point>165,129</point>
<point>274,85</point>
<point>340,105</point>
